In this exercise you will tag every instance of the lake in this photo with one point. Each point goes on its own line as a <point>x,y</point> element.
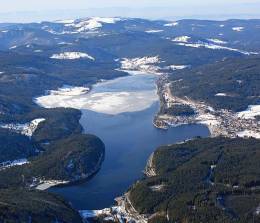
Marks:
<point>129,137</point>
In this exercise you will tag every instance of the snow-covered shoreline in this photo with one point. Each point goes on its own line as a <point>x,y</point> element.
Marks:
<point>122,212</point>
<point>104,97</point>
<point>219,122</point>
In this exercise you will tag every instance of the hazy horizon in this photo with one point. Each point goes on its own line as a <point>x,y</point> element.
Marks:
<point>32,11</point>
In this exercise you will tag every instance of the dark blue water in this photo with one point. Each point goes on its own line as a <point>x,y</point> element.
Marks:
<point>130,138</point>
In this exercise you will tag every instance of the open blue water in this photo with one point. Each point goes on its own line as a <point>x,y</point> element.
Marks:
<point>130,138</point>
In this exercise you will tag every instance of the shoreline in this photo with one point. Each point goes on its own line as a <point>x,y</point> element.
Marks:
<point>219,122</point>
<point>45,185</point>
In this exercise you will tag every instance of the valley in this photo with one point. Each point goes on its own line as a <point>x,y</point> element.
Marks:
<point>84,103</point>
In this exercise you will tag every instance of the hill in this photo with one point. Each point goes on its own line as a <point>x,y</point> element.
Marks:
<point>202,180</point>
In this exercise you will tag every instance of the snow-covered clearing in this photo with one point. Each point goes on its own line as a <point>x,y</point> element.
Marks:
<point>217,41</point>
<point>238,29</point>
<point>71,56</point>
<point>177,67</point>
<point>183,39</point>
<point>171,24</point>
<point>221,95</point>
<point>26,129</point>
<point>249,133</point>
<point>142,64</point>
<point>9,163</point>
<point>91,23</point>
<point>154,31</point>
<point>214,47</point>
<point>46,184</point>
<point>250,113</point>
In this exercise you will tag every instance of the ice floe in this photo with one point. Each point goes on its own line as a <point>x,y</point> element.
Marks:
<point>109,97</point>
<point>105,102</point>
<point>71,56</point>
<point>67,90</point>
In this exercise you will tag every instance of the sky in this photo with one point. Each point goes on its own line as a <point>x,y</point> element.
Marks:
<point>37,10</point>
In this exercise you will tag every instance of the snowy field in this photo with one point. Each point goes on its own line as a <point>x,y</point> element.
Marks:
<point>250,113</point>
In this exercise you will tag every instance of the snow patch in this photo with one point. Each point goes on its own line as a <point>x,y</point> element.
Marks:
<point>183,39</point>
<point>215,47</point>
<point>248,134</point>
<point>157,188</point>
<point>171,24</point>
<point>66,21</point>
<point>221,94</point>
<point>177,67</point>
<point>92,23</point>
<point>154,31</point>
<point>142,64</point>
<point>217,41</point>
<point>238,29</point>
<point>208,119</point>
<point>46,184</point>
<point>71,56</point>
<point>250,113</point>
<point>26,129</point>
<point>12,47</point>
<point>8,164</point>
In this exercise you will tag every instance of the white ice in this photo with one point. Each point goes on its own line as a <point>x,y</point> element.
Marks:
<point>103,98</point>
